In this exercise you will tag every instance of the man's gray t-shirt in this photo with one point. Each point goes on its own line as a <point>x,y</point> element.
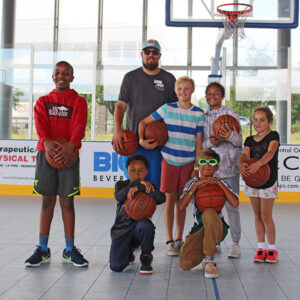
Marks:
<point>145,93</point>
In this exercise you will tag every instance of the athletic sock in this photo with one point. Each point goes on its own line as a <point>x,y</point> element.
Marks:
<point>209,258</point>
<point>261,246</point>
<point>43,241</point>
<point>271,247</point>
<point>69,244</point>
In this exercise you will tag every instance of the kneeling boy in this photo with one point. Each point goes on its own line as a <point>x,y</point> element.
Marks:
<point>127,233</point>
<point>209,227</point>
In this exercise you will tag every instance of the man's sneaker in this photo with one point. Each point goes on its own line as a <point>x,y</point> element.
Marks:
<point>260,255</point>
<point>131,256</point>
<point>171,250</point>
<point>235,251</point>
<point>146,260</point>
<point>75,257</point>
<point>211,270</point>
<point>272,256</point>
<point>38,257</point>
<point>178,244</point>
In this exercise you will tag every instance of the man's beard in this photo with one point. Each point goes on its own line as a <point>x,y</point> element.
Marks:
<point>150,66</point>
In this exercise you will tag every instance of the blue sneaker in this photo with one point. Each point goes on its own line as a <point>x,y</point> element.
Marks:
<point>38,257</point>
<point>75,257</point>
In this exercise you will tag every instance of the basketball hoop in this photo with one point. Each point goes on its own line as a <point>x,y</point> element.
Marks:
<point>235,15</point>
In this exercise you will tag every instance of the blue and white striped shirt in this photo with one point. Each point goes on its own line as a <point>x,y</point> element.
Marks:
<point>183,126</point>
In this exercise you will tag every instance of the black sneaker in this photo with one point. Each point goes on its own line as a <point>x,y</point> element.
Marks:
<point>131,256</point>
<point>146,260</point>
<point>38,257</point>
<point>75,257</point>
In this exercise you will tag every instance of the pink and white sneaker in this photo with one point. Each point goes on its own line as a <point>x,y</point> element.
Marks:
<point>272,256</point>
<point>260,255</point>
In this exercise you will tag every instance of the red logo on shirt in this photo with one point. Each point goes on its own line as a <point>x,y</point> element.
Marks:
<point>58,110</point>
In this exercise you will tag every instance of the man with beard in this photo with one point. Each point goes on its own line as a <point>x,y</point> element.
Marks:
<point>144,90</point>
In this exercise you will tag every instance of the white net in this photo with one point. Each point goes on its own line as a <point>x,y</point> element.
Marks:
<point>235,16</point>
<point>232,27</point>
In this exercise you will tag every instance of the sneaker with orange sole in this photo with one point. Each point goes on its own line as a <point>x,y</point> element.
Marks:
<point>260,255</point>
<point>272,256</point>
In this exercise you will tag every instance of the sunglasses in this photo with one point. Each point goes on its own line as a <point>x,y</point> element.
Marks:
<point>154,52</point>
<point>212,162</point>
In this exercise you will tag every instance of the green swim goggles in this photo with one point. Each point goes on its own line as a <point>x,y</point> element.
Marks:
<point>212,162</point>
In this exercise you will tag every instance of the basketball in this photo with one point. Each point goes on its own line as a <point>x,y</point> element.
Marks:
<point>141,206</point>
<point>129,146</point>
<point>224,120</point>
<point>157,130</point>
<point>260,177</point>
<point>210,196</point>
<point>58,165</point>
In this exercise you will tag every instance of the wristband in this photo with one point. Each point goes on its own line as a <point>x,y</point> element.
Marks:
<point>140,141</point>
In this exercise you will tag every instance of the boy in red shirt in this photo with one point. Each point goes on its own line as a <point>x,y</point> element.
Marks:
<point>61,113</point>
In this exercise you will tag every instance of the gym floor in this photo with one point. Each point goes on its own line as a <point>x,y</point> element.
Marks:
<point>239,278</point>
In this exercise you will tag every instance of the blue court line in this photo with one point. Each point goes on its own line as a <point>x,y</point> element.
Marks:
<point>216,288</point>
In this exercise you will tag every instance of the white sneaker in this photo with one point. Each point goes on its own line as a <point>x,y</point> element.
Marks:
<point>235,251</point>
<point>211,270</point>
<point>171,250</point>
<point>197,268</point>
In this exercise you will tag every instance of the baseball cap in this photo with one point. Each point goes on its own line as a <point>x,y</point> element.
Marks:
<point>151,44</point>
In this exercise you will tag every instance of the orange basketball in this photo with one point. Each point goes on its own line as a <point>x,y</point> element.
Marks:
<point>157,130</point>
<point>210,196</point>
<point>58,165</point>
<point>141,206</point>
<point>260,177</point>
<point>129,146</point>
<point>229,120</point>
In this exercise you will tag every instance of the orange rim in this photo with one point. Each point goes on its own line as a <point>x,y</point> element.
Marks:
<point>232,16</point>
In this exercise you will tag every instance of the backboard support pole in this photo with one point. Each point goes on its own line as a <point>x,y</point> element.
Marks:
<point>283,44</point>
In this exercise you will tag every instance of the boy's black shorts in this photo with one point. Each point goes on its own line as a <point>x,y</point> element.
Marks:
<point>51,181</point>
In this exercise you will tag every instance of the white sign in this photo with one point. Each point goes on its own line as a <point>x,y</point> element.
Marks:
<point>17,161</point>
<point>289,168</point>
<point>100,165</point>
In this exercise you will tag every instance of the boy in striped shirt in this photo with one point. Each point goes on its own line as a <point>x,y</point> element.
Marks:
<point>185,129</point>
